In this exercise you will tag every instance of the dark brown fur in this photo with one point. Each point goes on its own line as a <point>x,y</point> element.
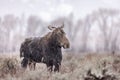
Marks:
<point>46,49</point>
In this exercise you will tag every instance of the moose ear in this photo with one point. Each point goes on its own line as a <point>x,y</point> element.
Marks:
<point>51,27</point>
<point>62,25</point>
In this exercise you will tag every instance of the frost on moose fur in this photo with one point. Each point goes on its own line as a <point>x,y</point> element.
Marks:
<point>46,49</point>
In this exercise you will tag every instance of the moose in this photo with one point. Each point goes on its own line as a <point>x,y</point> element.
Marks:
<point>46,49</point>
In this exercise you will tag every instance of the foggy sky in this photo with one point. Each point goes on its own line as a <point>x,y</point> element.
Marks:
<point>50,9</point>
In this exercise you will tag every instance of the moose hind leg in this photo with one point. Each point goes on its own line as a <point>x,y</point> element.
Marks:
<point>30,65</point>
<point>24,62</point>
<point>34,65</point>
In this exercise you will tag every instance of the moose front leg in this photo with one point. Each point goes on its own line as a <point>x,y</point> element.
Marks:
<point>57,66</point>
<point>49,67</point>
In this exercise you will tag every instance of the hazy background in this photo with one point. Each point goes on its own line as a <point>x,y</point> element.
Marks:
<point>91,25</point>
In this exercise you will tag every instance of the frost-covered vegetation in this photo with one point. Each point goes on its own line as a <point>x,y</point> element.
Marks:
<point>74,67</point>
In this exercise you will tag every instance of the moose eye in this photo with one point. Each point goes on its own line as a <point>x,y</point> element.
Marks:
<point>62,32</point>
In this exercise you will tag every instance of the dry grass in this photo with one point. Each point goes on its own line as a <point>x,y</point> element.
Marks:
<point>74,67</point>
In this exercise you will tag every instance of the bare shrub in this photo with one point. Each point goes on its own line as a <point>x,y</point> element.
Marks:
<point>116,64</point>
<point>104,76</point>
<point>73,67</point>
<point>8,66</point>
